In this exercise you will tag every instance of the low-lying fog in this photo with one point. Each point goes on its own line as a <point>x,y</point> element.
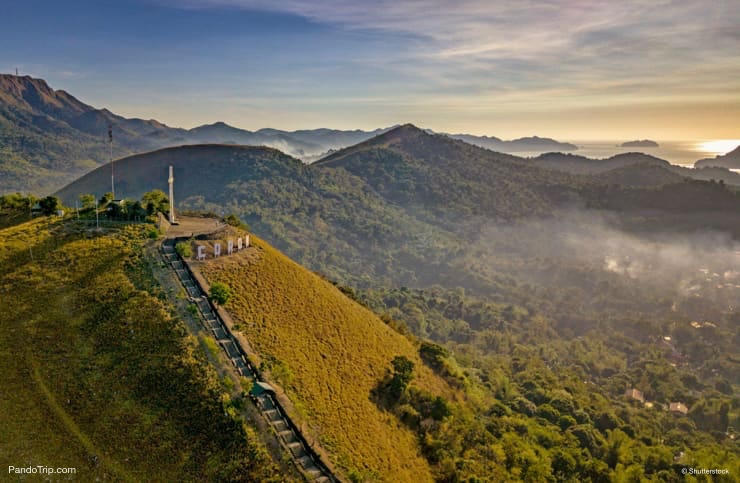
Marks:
<point>576,242</point>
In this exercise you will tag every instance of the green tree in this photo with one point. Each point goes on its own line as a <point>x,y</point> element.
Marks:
<point>220,293</point>
<point>136,211</point>
<point>87,201</point>
<point>154,201</point>
<point>116,211</point>
<point>234,220</point>
<point>50,205</point>
<point>403,370</point>
<point>105,199</point>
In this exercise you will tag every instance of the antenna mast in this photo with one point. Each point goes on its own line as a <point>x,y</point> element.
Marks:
<point>110,143</point>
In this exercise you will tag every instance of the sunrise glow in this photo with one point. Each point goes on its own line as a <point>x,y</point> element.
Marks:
<point>719,146</point>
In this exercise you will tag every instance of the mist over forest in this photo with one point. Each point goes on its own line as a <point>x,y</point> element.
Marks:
<point>674,264</point>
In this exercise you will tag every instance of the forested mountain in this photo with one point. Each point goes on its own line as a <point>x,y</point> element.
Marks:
<point>573,163</point>
<point>403,190</point>
<point>541,295</point>
<point>49,138</point>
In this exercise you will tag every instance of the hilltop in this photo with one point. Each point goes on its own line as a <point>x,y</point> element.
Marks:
<point>97,370</point>
<point>201,170</point>
<point>433,172</point>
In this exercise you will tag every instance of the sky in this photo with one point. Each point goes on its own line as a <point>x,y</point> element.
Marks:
<point>573,70</point>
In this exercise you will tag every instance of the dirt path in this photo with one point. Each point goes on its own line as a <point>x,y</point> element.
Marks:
<point>72,427</point>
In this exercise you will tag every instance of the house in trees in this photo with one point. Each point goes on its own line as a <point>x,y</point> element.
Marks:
<point>678,407</point>
<point>635,394</point>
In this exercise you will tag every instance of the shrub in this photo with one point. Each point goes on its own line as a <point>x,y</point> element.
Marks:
<point>402,374</point>
<point>220,293</point>
<point>433,354</point>
<point>50,205</point>
<point>193,309</point>
<point>184,249</point>
<point>234,220</point>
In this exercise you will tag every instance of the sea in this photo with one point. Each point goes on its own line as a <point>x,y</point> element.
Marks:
<point>681,153</point>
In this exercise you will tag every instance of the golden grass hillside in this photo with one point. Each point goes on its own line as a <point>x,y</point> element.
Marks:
<point>328,353</point>
<point>98,375</point>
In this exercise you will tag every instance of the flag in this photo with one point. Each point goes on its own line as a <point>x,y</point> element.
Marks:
<point>110,132</point>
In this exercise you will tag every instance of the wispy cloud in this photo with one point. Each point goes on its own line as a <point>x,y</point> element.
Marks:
<point>535,45</point>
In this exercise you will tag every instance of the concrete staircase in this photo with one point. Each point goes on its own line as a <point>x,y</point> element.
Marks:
<point>287,433</point>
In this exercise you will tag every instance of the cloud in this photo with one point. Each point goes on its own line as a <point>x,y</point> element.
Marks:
<point>535,45</point>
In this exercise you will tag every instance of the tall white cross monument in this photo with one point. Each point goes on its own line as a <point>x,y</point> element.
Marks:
<point>171,181</point>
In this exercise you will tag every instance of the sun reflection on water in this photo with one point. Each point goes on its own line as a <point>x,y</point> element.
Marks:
<point>718,146</point>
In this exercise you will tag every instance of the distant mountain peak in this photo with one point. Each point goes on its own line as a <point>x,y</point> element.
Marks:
<point>30,92</point>
<point>402,131</point>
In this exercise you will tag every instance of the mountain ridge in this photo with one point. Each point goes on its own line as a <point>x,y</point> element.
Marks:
<point>730,160</point>
<point>48,137</point>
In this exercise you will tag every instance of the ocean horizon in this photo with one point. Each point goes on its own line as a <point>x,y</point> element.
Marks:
<point>681,153</point>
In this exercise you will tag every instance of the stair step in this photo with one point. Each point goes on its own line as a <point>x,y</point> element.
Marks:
<point>297,449</point>
<point>305,461</point>
<point>267,403</point>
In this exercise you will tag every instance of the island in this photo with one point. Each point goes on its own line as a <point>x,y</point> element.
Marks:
<point>644,143</point>
<point>525,144</point>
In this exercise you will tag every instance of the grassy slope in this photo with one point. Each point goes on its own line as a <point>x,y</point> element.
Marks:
<point>95,372</point>
<point>328,353</point>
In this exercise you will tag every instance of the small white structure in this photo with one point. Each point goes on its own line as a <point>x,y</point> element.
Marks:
<point>201,252</point>
<point>216,249</point>
<point>230,247</point>
<point>239,243</point>
<point>246,241</point>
